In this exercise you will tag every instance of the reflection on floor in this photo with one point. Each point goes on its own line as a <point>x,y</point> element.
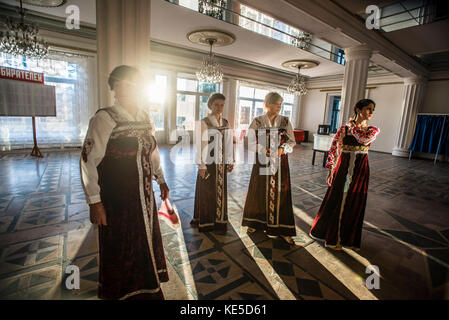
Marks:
<point>44,227</point>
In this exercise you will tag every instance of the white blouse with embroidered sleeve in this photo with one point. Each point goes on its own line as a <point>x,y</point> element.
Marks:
<point>202,145</point>
<point>364,136</point>
<point>94,148</point>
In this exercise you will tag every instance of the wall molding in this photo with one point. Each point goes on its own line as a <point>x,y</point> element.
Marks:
<point>189,60</point>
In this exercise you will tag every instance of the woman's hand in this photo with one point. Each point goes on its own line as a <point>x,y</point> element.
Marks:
<point>280,151</point>
<point>202,173</point>
<point>165,191</point>
<point>98,214</point>
<point>230,167</point>
<point>330,178</point>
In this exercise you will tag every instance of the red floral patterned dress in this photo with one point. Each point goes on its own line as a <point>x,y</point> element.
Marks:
<point>339,220</point>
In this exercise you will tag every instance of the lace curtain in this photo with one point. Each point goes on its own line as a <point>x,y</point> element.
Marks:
<point>76,101</point>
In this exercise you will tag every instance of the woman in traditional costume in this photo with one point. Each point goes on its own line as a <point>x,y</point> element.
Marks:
<point>268,204</point>
<point>339,220</point>
<point>214,159</point>
<point>118,163</point>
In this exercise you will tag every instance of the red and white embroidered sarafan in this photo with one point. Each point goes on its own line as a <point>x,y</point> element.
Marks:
<point>339,220</point>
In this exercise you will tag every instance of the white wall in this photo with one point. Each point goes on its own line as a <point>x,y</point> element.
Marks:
<point>388,95</point>
<point>311,111</point>
<point>387,115</point>
<point>437,97</point>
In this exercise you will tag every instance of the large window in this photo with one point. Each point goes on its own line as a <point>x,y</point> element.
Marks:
<point>250,104</point>
<point>260,19</point>
<point>191,4</point>
<point>256,21</point>
<point>339,56</point>
<point>191,104</point>
<point>157,95</point>
<point>73,103</point>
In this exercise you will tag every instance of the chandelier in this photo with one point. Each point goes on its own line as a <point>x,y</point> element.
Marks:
<point>302,40</point>
<point>210,70</point>
<point>298,84</point>
<point>21,39</point>
<point>212,8</point>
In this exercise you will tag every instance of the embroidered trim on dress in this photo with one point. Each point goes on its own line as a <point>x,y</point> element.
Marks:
<point>270,225</point>
<point>355,148</point>
<point>145,210</point>
<point>139,292</point>
<point>120,127</point>
<point>205,225</point>
<point>87,148</point>
<point>345,192</point>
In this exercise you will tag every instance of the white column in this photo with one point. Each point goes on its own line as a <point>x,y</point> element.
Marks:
<point>354,80</point>
<point>171,104</point>
<point>123,37</point>
<point>414,90</point>
<point>230,91</point>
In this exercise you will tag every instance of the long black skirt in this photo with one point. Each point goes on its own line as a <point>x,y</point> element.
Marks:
<point>268,204</point>
<point>211,200</point>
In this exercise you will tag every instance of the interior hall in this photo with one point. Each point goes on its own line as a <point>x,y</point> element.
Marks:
<point>321,57</point>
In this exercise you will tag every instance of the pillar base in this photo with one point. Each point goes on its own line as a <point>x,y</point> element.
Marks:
<point>399,152</point>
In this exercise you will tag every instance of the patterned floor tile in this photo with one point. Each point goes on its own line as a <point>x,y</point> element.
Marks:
<point>40,218</point>
<point>215,275</point>
<point>182,245</point>
<point>78,211</point>
<point>406,198</point>
<point>247,291</point>
<point>45,202</point>
<point>88,268</point>
<point>24,255</point>
<point>42,284</point>
<point>78,197</point>
<point>5,222</point>
<point>82,242</point>
<point>4,202</point>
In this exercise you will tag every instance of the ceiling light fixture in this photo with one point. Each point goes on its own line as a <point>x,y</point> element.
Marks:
<point>302,40</point>
<point>21,39</point>
<point>210,70</point>
<point>212,8</point>
<point>298,84</point>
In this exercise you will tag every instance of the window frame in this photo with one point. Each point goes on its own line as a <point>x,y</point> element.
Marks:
<point>255,100</point>
<point>196,93</point>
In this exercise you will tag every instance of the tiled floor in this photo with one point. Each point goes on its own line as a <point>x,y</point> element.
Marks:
<point>44,227</point>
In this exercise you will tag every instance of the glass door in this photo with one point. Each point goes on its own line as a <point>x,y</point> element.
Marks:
<point>333,111</point>
<point>185,111</point>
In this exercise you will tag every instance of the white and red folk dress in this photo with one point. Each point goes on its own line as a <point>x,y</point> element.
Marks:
<point>339,220</point>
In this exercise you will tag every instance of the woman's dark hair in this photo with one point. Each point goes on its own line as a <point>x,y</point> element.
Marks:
<point>213,97</point>
<point>362,103</point>
<point>121,73</point>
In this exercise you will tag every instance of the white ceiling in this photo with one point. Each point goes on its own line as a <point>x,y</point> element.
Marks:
<point>170,24</point>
